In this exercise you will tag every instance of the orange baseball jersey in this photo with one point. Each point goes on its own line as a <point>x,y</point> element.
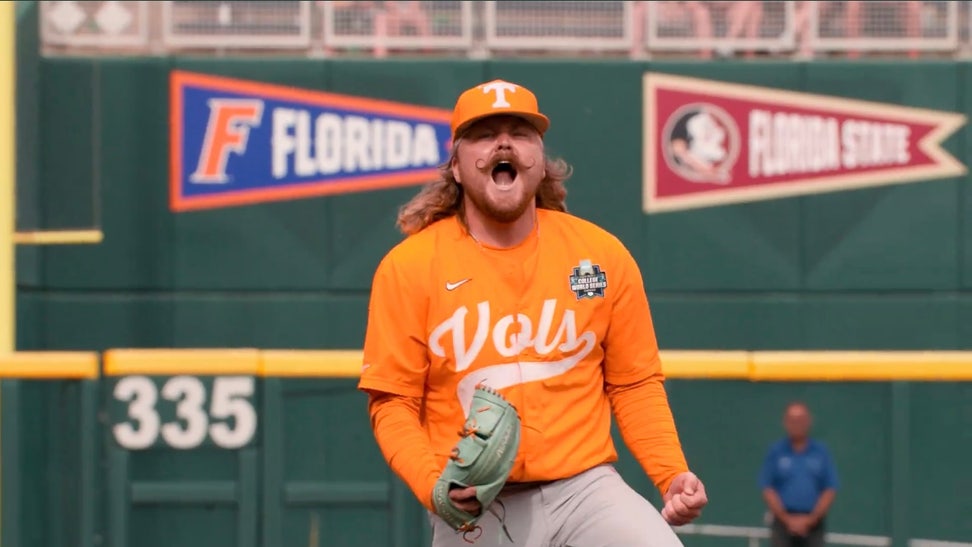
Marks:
<point>559,324</point>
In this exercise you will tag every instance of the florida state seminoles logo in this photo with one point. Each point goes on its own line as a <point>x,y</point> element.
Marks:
<point>700,142</point>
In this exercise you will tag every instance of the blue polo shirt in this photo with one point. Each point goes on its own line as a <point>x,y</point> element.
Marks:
<point>798,477</point>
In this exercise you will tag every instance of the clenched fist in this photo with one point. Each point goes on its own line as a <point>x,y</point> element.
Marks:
<point>684,500</point>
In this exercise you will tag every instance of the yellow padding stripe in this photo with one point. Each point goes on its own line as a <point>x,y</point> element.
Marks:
<point>58,237</point>
<point>166,362</point>
<point>49,365</point>
<point>834,366</point>
<point>347,364</point>
<point>822,366</point>
<point>705,364</point>
<point>311,363</point>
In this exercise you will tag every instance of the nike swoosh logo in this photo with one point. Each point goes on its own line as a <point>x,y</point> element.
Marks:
<point>456,285</point>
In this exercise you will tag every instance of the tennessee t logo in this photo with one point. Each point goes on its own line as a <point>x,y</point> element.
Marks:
<point>230,121</point>
<point>500,89</point>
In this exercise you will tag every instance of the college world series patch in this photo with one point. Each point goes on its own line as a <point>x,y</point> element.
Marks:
<point>587,280</point>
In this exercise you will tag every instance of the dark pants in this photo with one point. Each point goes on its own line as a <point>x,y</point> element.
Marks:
<point>781,537</point>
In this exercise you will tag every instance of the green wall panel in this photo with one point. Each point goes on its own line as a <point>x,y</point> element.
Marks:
<point>731,321</point>
<point>29,265</point>
<point>891,237</point>
<point>77,321</point>
<point>322,453</point>
<point>282,320</point>
<point>939,449</point>
<point>883,239</point>
<point>325,478</point>
<point>29,202</point>
<point>338,526</point>
<point>28,139</point>
<point>166,526</point>
<point>965,321</point>
<point>964,198</point>
<point>271,321</point>
<point>823,321</point>
<point>67,156</point>
<point>50,463</point>
<point>360,230</point>
<point>965,236</point>
<point>126,155</point>
<point>430,82</point>
<point>279,246</point>
<point>27,448</point>
<point>755,247</point>
<point>882,321</point>
<point>30,313</point>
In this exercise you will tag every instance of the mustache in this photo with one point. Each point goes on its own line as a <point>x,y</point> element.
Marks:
<point>510,155</point>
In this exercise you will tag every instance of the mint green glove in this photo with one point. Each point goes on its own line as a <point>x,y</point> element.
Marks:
<point>483,457</point>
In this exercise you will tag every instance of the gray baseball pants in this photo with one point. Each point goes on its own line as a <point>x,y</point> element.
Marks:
<point>593,509</point>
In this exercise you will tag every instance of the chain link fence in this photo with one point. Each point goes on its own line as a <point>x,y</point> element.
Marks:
<point>636,29</point>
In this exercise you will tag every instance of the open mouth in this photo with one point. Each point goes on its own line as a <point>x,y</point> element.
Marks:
<point>504,173</point>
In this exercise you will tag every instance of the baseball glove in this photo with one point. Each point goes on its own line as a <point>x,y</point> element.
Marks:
<point>483,457</point>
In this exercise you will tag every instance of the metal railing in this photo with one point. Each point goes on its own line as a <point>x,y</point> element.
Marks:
<point>412,26</point>
<point>725,27</point>
<point>104,25</point>
<point>554,28</point>
<point>551,26</point>
<point>883,26</point>
<point>246,25</point>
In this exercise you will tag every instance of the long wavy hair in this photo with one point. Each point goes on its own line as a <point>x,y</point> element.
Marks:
<point>443,198</point>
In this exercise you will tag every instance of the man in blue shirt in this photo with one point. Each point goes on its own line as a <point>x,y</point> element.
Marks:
<point>799,482</point>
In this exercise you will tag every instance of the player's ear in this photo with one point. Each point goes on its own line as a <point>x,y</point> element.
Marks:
<point>455,170</point>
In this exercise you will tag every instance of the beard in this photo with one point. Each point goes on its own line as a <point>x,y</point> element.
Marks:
<point>505,211</point>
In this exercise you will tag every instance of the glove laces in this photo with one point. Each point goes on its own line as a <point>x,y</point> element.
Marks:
<point>467,529</point>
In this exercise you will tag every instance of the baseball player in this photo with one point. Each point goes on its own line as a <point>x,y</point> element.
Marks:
<point>496,284</point>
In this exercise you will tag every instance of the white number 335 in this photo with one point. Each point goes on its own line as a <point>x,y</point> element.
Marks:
<point>230,399</point>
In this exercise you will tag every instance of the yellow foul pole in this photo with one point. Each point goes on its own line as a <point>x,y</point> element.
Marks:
<point>8,173</point>
<point>8,196</point>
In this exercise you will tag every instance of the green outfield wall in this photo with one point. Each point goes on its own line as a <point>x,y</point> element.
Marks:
<point>879,268</point>
<point>883,268</point>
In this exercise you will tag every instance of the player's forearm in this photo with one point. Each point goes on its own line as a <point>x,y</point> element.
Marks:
<point>404,444</point>
<point>774,504</point>
<point>823,505</point>
<point>648,429</point>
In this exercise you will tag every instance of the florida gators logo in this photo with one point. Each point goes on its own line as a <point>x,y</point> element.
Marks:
<point>230,121</point>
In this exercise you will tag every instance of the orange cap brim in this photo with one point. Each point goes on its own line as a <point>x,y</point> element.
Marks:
<point>537,120</point>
